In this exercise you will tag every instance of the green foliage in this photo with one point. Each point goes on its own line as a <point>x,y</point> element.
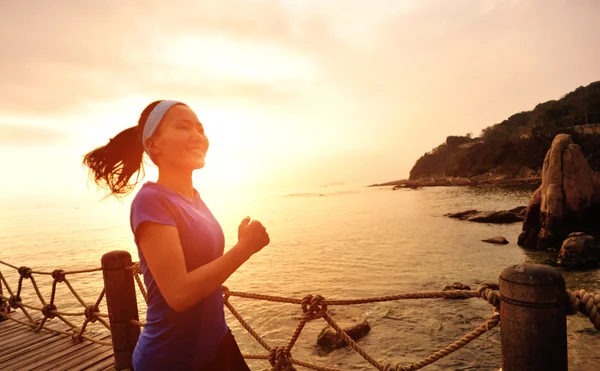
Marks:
<point>454,141</point>
<point>519,142</point>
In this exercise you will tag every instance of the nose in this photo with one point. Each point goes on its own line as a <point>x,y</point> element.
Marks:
<point>199,136</point>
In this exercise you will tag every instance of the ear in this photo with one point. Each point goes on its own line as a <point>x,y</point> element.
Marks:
<point>151,144</point>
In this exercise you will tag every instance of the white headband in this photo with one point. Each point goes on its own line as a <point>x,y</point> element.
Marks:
<point>154,119</point>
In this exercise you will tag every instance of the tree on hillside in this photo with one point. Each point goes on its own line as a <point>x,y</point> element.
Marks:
<point>521,141</point>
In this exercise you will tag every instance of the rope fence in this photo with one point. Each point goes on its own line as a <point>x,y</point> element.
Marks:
<point>313,307</point>
<point>49,310</point>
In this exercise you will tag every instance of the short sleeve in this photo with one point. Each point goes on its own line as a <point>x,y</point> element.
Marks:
<point>150,206</point>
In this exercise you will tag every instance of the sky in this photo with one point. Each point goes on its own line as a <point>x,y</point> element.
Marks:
<point>290,92</point>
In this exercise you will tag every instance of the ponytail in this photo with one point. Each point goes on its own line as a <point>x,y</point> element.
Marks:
<point>114,164</point>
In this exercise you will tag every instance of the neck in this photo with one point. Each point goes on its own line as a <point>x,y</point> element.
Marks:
<point>176,180</point>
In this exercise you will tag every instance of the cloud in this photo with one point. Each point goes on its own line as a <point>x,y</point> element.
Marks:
<point>389,61</point>
<point>72,53</point>
<point>12,135</point>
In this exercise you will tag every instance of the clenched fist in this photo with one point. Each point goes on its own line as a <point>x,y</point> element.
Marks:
<point>252,235</point>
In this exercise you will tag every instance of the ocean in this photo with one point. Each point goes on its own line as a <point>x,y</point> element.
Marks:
<point>339,241</point>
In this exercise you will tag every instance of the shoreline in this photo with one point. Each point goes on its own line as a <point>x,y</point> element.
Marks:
<point>456,182</point>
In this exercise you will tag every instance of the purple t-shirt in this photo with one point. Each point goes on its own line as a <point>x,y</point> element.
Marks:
<point>173,340</point>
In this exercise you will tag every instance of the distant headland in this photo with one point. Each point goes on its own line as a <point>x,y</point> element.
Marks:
<point>512,152</point>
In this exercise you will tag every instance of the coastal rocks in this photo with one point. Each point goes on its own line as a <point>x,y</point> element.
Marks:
<point>567,201</point>
<point>412,186</point>
<point>456,286</point>
<point>496,240</point>
<point>579,251</point>
<point>328,340</point>
<point>494,217</point>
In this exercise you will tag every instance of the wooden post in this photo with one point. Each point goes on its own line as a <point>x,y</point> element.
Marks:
<point>533,319</point>
<point>122,306</point>
<point>3,304</point>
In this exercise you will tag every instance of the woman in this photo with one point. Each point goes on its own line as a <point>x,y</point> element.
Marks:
<point>179,242</point>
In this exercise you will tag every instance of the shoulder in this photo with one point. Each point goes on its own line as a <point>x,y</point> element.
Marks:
<point>151,204</point>
<point>148,195</point>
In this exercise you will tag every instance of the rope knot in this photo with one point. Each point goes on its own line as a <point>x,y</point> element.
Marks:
<point>90,313</point>
<point>280,359</point>
<point>313,306</point>
<point>25,272</point>
<point>58,275</point>
<point>14,301</point>
<point>226,292</point>
<point>489,291</point>
<point>48,311</point>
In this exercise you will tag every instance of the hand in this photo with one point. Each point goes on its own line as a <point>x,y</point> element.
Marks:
<point>252,235</point>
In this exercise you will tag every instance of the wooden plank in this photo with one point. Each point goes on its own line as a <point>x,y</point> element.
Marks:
<point>39,353</point>
<point>81,353</point>
<point>26,339</point>
<point>8,324</point>
<point>24,335</point>
<point>23,348</point>
<point>107,364</point>
<point>100,358</point>
<point>53,340</point>
<point>15,330</point>
<point>24,331</point>
<point>27,329</point>
<point>45,354</point>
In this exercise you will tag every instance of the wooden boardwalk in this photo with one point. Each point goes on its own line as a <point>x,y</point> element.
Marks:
<point>23,349</point>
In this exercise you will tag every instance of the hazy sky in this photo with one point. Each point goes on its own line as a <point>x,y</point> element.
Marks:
<point>306,92</point>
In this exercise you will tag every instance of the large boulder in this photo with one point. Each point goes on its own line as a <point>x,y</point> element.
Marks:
<point>568,199</point>
<point>496,240</point>
<point>493,217</point>
<point>456,286</point>
<point>579,251</point>
<point>328,340</point>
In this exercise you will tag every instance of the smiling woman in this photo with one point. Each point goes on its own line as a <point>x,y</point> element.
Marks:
<point>180,243</point>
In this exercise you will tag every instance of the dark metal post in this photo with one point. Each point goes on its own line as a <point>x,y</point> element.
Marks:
<point>533,319</point>
<point>122,306</point>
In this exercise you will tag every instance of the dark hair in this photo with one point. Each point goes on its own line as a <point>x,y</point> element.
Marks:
<point>112,165</point>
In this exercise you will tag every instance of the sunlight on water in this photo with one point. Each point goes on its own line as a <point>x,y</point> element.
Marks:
<point>337,241</point>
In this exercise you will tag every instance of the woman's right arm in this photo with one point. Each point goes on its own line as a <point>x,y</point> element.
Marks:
<point>181,289</point>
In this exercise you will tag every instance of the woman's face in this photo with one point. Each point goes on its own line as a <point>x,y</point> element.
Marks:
<point>179,141</point>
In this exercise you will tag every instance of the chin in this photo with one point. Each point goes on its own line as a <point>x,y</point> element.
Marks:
<point>198,165</point>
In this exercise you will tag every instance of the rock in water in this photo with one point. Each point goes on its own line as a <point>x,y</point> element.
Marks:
<point>492,217</point>
<point>496,217</point>
<point>463,214</point>
<point>329,340</point>
<point>579,251</point>
<point>568,199</point>
<point>456,286</point>
<point>497,240</point>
